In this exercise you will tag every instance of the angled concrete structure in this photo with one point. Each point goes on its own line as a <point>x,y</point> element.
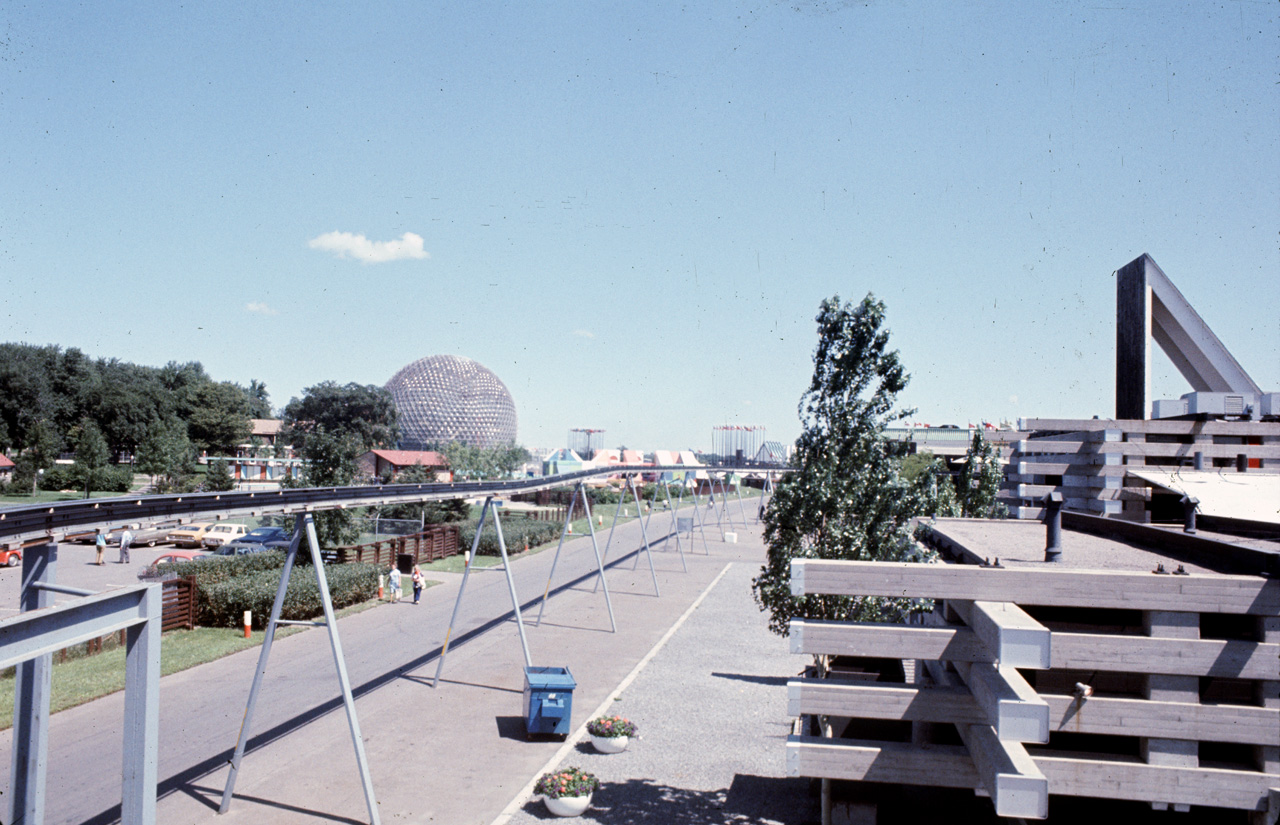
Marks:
<point>1149,306</point>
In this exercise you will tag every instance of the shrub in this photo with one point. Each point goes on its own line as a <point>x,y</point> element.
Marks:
<point>229,586</point>
<point>516,532</point>
<point>67,477</point>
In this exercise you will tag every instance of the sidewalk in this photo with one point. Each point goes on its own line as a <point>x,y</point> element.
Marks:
<point>711,707</point>
<point>457,753</point>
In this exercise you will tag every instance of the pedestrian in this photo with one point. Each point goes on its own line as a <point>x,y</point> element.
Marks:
<point>394,578</point>
<point>126,539</point>
<point>417,583</point>
<point>101,541</point>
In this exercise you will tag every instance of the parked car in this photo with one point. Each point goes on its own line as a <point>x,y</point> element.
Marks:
<point>220,534</point>
<point>175,556</point>
<point>10,558</point>
<point>144,536</point>
<point>160,569</point>
<point>260,540</point>
<point>191,535</point>
<point>231,549</point>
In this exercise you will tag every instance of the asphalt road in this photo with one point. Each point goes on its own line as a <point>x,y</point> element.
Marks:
<point>454,754</point>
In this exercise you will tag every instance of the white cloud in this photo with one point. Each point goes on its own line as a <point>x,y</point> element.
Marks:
<point>350,245</point>
<point>584,333</point>
<point>259,308</point>
<point>1013,399</point>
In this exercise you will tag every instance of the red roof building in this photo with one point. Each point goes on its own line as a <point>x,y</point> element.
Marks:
<point>390,463</point>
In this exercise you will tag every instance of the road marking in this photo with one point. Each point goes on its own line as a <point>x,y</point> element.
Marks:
<point>526,793</point>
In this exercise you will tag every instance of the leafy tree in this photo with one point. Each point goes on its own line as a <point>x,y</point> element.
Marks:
<point>428,512</point>
<point>509,458</point>
<point>166,455</point>
<point>40,451</point>
<point>91,456</point>
<point>468,463</point>
<point>365,412</point>
<point>219,418</point>
<point>329,460</point>
<point>844,498</point>
<point>979,481</point>
<point>259,400</point>
<point>218,479</point>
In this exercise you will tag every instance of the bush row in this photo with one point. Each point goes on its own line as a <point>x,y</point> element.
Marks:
<point>67,477</point>
<point>228,587</point>
<point>516,532</point>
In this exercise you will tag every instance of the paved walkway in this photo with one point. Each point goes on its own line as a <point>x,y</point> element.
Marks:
<point>711,704</point>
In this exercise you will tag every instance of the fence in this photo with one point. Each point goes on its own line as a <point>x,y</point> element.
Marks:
<point>178,599</point>
<point>437,542</point>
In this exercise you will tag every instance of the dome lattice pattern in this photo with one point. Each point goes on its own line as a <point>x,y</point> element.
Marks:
<point>446,398</point>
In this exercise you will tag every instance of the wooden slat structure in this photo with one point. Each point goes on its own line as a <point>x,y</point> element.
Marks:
<point>1038,679</point>
<point>178,604</point>
<point>1089,460</point>
<point>439,541</point>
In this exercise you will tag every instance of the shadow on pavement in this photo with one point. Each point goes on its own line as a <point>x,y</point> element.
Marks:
<point>750,799</point>
<point>774,681</point>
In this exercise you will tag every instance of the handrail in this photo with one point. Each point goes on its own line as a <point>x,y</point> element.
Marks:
<point>36,523</point>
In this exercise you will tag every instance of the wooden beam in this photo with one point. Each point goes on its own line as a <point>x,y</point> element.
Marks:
<point>1017,639</point>
<point>1176,657</point>
<point>895,641</point>
<point>951,767</point>
<point>832,697</point>
<point>1243,724</point>
<point>945,766</point>
<point>1012,780</point>
<point>1196,593</point>
<point>1107,779</point>
<point>1009,704</point>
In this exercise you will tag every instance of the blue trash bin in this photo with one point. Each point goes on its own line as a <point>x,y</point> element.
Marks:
<point>548,700</point>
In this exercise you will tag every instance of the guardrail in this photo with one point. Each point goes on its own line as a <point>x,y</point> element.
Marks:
<point>33,524</point>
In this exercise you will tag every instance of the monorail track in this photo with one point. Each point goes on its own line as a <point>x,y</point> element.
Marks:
<point>26,525</point>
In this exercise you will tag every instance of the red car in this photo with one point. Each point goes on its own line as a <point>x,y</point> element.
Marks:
<point>11,558</point>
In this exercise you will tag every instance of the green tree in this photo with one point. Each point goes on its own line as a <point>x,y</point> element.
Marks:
<point>844,498</point>
<point>91,456</point>
<point>218,479</point>
<point>428,512</point>
<point>166,455</point>
<point>367,413</point>
<point>40,451</point>
<point>979,481</point>
<point>219,418</point>
<point>259,400</point>
<point>329,460</point>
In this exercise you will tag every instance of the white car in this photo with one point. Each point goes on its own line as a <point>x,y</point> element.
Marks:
<point>220,534</point>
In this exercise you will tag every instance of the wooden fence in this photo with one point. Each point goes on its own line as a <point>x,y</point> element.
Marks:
<point>437,542</point>
<point>179,605</point>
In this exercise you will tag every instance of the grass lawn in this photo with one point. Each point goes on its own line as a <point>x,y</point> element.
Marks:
<point>86,678</point>
<point>50,496</point>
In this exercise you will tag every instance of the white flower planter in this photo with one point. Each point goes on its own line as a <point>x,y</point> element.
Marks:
<point>610,744</point>
<point>568,805</point>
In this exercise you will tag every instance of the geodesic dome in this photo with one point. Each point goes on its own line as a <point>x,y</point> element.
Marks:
<point>445,398</point>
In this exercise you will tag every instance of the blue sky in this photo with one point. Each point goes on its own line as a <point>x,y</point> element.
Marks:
<point>630,213</point>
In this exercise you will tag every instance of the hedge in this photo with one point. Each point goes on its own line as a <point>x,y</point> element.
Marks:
<point>515,531</point>
<point>229,586</point>
<point>67,477</point>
